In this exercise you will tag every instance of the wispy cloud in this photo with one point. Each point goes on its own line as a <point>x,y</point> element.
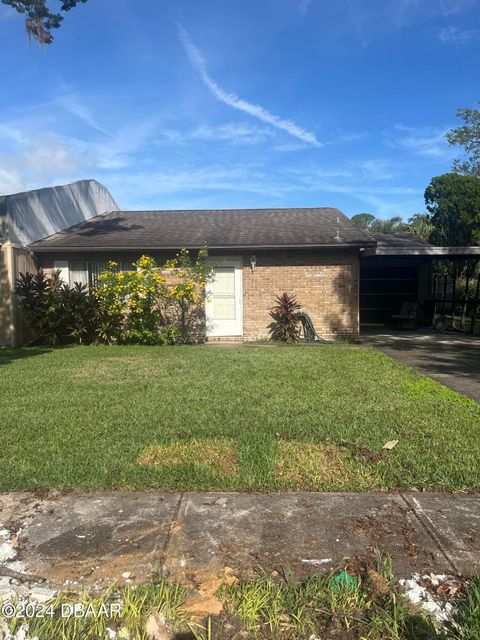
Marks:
<point>74,105</point>
<point>368,20</point>
<point>423,141</point>
<point>378,169</point>
<point>452,7</point>
<point>236,133</point>
<point>234,101</point>
<point>454,35</point>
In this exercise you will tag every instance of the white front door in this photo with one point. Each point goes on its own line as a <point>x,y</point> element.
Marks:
<point>223,307</point>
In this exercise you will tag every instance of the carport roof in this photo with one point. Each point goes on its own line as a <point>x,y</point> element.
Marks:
<point>409,244</point>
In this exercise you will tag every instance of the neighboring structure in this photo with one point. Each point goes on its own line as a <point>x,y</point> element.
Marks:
<point>29,216</point>
<point>258,253</point>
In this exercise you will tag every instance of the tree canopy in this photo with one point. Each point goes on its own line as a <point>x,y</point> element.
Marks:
<point>468,137</point>
<point>39,19</point>
<point>363,220</point>
<point>453,201</point>
<point>421,224</point>
<point>369,222</point>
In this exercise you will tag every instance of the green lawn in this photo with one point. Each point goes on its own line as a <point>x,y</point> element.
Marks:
<point>230,418</point>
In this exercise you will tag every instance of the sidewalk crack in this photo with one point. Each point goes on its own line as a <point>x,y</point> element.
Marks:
<point>171,531</point>
<point>429,527</point>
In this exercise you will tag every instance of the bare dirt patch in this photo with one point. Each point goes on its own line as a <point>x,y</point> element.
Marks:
<point>220,457</point>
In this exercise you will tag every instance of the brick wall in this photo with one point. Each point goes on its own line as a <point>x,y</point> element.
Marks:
<point>325,283</point>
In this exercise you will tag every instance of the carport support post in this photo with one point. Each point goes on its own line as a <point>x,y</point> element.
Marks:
<point>476,302</point>
<point>445,278</point>
<point>465,299</point>
<point>454,293</point>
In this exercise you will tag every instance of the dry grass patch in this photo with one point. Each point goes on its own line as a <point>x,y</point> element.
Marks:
<point>301,465</point>
<point>219,457</point>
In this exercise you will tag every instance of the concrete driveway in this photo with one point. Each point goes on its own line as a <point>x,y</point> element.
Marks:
<point>452,359</point>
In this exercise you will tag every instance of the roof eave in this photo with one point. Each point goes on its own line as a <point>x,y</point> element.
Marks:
<point>89,249</point>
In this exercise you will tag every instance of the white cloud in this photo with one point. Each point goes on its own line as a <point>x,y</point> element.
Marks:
<point>231,132</point>
<point>452,7</point>
<point>234,101</point>
<point>368,20</point>
<point>73,104</point>
<point>454,35</point>
<point>378,169</point>
<point>424,141</point>
<point>240,133</point>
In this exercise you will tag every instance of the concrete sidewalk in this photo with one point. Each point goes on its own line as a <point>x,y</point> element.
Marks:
<point>92,538</point>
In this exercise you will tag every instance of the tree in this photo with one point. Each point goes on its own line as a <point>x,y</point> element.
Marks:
<point>391,225</point>
<point>453,201</point>
<point>468,137</point>
<point>368,222</point>
<point>421,224</point>
<point>363,220</point>
<point>39,20</point>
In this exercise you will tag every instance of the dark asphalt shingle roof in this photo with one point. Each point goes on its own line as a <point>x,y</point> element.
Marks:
<point>406,239</point>
<point>236,228</point>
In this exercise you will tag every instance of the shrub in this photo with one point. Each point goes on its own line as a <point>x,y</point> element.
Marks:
<point>149,304</point>
<point>286,324</point>
<point>153,304</point>
<point>56,313</point>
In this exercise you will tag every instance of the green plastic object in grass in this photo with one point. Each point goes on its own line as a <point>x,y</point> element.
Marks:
<point>344,581</point>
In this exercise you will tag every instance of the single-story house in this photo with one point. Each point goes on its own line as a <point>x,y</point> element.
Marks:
<point>258,254</point>
<point>345,279</point>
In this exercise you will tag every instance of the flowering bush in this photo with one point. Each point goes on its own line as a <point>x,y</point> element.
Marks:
<point>153,304</point>
<point>149,304</point>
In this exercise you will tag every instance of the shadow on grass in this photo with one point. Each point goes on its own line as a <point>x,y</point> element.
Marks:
<point>8,355</point>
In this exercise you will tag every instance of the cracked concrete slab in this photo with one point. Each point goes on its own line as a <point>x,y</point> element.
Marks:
<point>303,531</point>
<point>95,537</point>
<point>200,539</point>
<point>454,521</point>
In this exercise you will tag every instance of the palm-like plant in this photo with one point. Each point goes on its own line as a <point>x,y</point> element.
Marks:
<point>285,325</point>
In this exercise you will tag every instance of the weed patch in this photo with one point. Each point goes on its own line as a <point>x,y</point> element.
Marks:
<point>323,467</point>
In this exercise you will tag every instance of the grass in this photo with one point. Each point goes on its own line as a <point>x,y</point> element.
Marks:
<point>366,606</point>
<point>230,418</point>
<point>135,605</point>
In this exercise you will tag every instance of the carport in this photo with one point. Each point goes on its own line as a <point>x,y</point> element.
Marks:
<point>442,283</point>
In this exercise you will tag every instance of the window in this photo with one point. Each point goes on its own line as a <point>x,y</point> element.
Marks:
<point>78,272</point>
<point>95,269</point>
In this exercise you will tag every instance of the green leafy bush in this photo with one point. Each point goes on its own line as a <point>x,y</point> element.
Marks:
<point>57,314</point>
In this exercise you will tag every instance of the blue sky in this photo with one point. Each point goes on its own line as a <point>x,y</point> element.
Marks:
<point>253,103</point>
